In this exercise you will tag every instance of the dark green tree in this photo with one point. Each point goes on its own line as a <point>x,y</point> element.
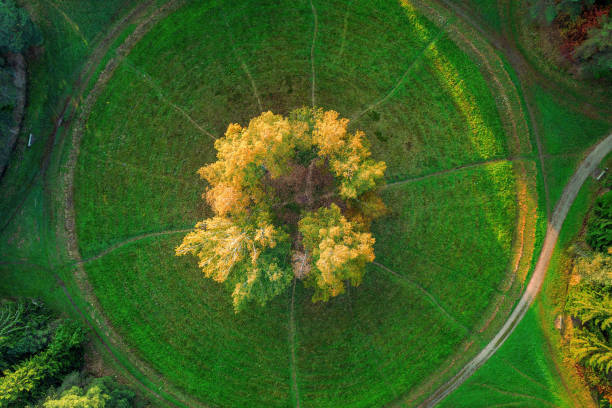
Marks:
<point>24,331</point>
<point>17,31</point>
<point>596,51</point>
<point>100,393</point>
<point>599,227</point>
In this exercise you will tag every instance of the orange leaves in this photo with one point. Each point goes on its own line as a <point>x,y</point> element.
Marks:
<point>330,133</point>
<point>266,142</point>
<point>224,198</point>
<point>270,141</point>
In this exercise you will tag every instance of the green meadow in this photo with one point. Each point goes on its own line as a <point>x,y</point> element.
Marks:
<point>400,79</point>
<point>455,194</point>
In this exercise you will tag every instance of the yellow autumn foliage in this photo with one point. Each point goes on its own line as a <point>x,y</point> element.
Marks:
<point>220,244</point>
<point>338,248</point>
<point>266,142</point>
<point>241,246</point>
<point>348,155</point>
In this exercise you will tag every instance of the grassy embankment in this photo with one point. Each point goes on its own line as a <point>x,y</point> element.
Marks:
<point>71,30</point>
<point>567,126</point>
<point>528,369</point>
<point>76,37</point>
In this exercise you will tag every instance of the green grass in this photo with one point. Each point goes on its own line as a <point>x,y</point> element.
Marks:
<point>32,254</point>
<point>559,169</point>
<point>562,129</point>
<point>194,339</point>
<point>520,374</point>
<point>566,134</point>
<point>486,10</point>
<point>527,370</point>
<point>70,30</point>
<point>154,141</point>
<point>330,343</point>
<point>28,245</point>
<point>372,349</point>
<point>452,228</point>
<point>425,109</point>
<point>352,353</point>
<point>111,53</point>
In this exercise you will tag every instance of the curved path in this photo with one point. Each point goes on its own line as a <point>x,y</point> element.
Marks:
<point>130,240</point>
<point>534,285</point>
<point>552,234</point>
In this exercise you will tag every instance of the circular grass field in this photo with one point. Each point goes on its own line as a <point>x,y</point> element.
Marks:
<point>442,253</point>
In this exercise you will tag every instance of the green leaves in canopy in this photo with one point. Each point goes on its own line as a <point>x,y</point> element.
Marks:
<point>17,31</point>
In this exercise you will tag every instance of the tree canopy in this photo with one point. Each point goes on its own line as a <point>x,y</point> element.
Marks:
<point>293,198</point>
<point>17,31</point>
<point>596,50</point>
<point>339,251</point>
<point>599,227</point>
<point>101,392</point>
<point>590,302</point>
<point>585,28</point>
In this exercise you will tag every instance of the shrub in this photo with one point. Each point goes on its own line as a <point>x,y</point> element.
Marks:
<point>100,393</point>
<point>17,31</point>
<point>30,378</point>
<point>599,227</point>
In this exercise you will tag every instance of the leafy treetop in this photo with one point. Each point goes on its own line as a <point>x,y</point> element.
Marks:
<point>17,31</point>
<point>293,197</point>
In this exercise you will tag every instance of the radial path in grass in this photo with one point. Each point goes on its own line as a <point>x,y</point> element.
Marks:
<point>426,111</point>
<point>587,166</point>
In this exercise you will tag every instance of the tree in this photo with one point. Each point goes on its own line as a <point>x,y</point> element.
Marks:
<point>29,377</point>
<point>599,226</point>
<point>102,392</point>
<point>596,51</point>
<point>339,251</point>
<point>348,155</point>
<point>76,398</point>
<point>593,306</point>
<point>25,330</point>
<point>17,31</point>
<point>591,302</point>
<point>549,10</point>
<point>592,350</point>
<point>266,178</point>
<point>247,250</point>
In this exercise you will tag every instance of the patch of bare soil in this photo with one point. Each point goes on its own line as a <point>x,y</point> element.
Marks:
<point>302,188</point>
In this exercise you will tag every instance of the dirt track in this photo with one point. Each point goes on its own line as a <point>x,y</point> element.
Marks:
<point>532,289</point>
<point>552,234</point>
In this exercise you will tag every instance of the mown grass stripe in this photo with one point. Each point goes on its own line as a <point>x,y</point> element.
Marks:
<point>401,80</point>
<point>428,295</point>
<point>160,93</point>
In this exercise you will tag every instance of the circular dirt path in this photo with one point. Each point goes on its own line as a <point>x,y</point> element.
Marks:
<point>552,234</point>
<point>528,297</point>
